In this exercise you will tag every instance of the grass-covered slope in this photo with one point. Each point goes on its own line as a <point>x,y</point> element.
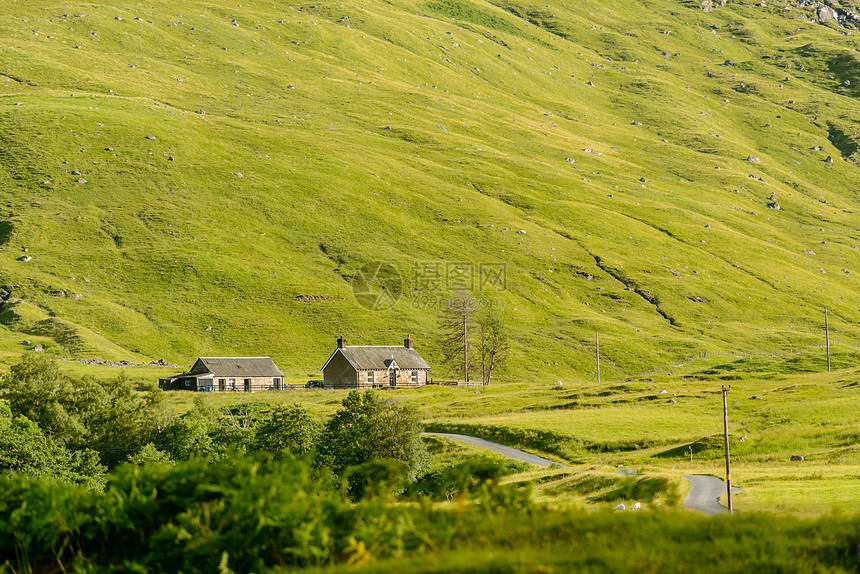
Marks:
<point>207,178</point>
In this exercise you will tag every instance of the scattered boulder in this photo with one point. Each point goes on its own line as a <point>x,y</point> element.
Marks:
<point>81,180</point>
<point>796,458</point>
<point>825,14</point>
<point>729,62</point>
<point>38,348</point>
<point>25,258</point>
<point>635,123</point>
<point>672,402</point>
<point>828,159</point>
<point>753,159</point>
<point>756,397</point>
<point>26,342</point>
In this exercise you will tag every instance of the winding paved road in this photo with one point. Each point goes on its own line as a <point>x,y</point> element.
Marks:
<point>507,451</point>
<point>705,493</point>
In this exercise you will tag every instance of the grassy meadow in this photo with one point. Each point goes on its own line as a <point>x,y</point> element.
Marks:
<point>778,408</point>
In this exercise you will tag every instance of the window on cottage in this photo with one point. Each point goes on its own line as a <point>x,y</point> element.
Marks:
<point>277,383</point>
<point>414,377</point>
<point>222,384</point>
<point>370,377</point>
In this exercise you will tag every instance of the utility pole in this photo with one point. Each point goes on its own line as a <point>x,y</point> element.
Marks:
<point>597,350</point>
<point>827,339</point>
<point>690,448</point>
<point>726,430</point>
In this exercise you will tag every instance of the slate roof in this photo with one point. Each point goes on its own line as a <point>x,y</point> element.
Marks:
<point>364,357</point>
<point>235,367</point>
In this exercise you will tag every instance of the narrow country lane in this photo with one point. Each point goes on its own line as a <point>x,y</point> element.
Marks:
<point>507,451</point>
<point>705,493</point>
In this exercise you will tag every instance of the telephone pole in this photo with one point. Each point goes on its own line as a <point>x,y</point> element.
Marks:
<point>827,339</point>
<point>597,351</point>
<point>726,431</point>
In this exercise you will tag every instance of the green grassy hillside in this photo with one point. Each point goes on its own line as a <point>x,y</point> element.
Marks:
<point>195,178</point>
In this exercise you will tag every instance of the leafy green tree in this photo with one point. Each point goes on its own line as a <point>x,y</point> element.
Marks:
<point>107,416</point>
<point>123,420</point>
<point>369,428</point>
<point>149,454</point>
<point>287,429</point>
<point>26,450</point>
<point>36,389</point>
<point>211,434</point>
<point>190,437</point>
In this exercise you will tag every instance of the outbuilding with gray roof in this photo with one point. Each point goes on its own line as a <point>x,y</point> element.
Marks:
<point>228,374</point>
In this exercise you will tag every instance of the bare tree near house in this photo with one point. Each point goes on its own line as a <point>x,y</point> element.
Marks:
<point>494,340</point>
<point>457,323</point>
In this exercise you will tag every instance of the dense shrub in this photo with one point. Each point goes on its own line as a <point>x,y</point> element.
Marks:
<point>287,429</point>
<point>369,428</point>
<point>246,516</point>
<point>108,416</point>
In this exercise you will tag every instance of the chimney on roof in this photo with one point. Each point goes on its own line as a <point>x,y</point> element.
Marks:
<point>407,342</point>
<point>340,342</point>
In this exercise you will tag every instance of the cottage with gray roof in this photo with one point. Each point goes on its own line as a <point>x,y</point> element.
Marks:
<point>374,366</point>
<point>228,374</point>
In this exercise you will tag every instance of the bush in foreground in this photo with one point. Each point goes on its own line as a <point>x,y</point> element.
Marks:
<point>248,516</point>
